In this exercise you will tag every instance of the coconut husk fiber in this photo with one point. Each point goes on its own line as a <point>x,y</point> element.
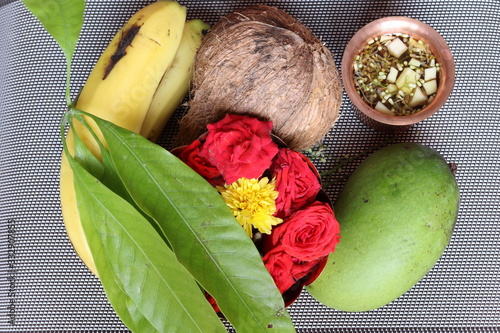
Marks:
<point>260,61</point>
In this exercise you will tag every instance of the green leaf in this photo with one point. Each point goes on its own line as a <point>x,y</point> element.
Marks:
<point>84,156</point>
<point>105,171</point>
<point>123,304</point>
<point>146,285</point>
<point>202,231</point>
<point>108,176</point>
<point>63,20</point>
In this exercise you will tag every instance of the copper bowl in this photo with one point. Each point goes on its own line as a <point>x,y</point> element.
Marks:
<point>417,30</point>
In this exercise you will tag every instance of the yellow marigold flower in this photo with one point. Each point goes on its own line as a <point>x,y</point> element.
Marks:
<point>253,203</point>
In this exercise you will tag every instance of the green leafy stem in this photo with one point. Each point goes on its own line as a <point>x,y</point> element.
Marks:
<point>159,234</point>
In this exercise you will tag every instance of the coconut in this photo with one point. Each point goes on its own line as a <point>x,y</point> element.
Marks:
<point>260,61</point>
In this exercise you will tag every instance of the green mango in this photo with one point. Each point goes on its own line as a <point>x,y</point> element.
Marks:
<point>396,212</point>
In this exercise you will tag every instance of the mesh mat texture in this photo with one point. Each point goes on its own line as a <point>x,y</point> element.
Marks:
<point>45,287</point>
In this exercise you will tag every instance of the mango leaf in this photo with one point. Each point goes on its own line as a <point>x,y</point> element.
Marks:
<point>201,230</point>
<point>84,156</point>
<point>146,285</point>
<point>124,306</point>
<point>63,20</point>
<point>104,171</point>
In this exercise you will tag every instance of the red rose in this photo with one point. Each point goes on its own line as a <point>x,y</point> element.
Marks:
<point>279,264</point>
<point>239,146</point>
<point>287,270</point>
<point>212,302</point>
<point>309,233</point>
<point>190,155</point>
<point>296,181</point>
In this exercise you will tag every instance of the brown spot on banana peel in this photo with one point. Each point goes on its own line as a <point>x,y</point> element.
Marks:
<point>125,41</point>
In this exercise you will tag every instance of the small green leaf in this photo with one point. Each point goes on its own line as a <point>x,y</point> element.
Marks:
<point>202,231</point>
<point>63,20</point>
<point>146,285</point>
<point>84,156</point>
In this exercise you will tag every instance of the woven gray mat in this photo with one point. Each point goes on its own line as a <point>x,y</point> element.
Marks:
<point>45,287</point>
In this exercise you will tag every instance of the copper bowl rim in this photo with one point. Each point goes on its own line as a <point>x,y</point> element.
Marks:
<point>418,30</point>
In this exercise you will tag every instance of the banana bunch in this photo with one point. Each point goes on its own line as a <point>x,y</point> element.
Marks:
<point>137,83</point>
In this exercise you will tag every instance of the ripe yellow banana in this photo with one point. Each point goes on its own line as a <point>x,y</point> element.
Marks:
<point>122,84</point>
<point>120,89</point>
<point>175,83</point>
